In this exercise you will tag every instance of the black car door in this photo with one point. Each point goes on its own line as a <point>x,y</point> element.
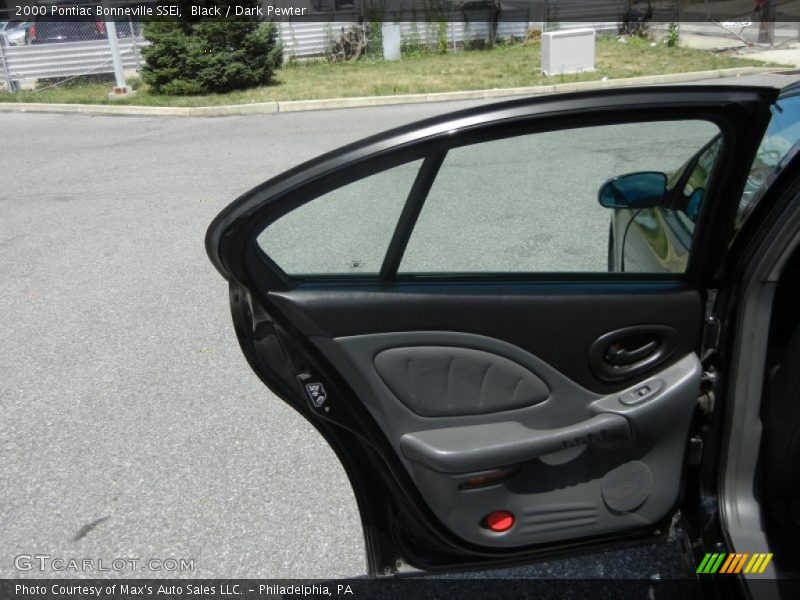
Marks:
<point>435,300</point>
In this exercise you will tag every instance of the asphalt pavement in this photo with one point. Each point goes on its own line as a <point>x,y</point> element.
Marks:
<point>130,423</point>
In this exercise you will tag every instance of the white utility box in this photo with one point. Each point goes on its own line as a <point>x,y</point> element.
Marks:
<point>568,51</point>
<point>391,41</point>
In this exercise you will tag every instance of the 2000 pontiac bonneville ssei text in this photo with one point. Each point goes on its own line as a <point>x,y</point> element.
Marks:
<point>500,385</point>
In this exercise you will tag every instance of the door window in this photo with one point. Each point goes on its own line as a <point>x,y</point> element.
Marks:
<point>343,232</point>
<point>530,203</point>
<point>522,204</point>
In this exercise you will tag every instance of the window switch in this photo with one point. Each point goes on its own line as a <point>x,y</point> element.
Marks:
<point>641,393</point>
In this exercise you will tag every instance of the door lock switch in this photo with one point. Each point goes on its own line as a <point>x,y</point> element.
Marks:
<point>641,393</point>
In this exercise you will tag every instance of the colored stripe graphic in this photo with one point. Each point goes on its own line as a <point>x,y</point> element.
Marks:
<point>734,562</point>
<point>766,562</point>
<point>749,566</point>
<point>710,563</point>
<point>728,563</point>
<point>703,563</point>
<point>715,567</point>
<point>738,567</point>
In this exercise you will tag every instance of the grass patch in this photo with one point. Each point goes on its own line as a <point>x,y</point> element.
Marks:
<point>505,66</point>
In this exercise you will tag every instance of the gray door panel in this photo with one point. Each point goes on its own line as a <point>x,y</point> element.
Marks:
<point>441,381</point>
<point>583,464</point>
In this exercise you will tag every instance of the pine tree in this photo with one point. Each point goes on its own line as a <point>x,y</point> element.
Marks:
<point>201,56</point>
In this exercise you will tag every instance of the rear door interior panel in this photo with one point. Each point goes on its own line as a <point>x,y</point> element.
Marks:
<point>468,397</point>
<point>505,376</point>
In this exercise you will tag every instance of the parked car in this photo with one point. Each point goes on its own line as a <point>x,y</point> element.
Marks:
<point>655,213</point>
<point>16,32</point>
<point>436,301</point>
<point>52,32</point>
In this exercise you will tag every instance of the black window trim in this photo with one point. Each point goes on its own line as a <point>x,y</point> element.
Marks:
<point>420,141</point>
<point>408,217</point>
<point>432,161</point>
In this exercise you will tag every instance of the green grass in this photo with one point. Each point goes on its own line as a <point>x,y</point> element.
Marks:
<point>505,66</point>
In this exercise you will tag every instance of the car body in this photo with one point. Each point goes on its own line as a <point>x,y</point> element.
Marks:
<point>436,301</point>
<point>16,32</point>
<point>658,237</point>
<point>54,32</point>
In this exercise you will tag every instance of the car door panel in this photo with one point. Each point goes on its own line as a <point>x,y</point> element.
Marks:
<point>565,449</point>
<point>451,396</point>
<point>528,315</point>
<point>572,475</point>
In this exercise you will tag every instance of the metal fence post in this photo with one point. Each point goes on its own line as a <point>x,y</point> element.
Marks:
<point>4,64</point>
<point>113,42</point>
<point>135,48</point>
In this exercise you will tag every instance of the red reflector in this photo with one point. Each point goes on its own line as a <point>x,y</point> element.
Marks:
<point>500,520</point>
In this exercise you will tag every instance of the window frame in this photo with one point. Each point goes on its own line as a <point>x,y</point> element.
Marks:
<point>408,144</point>
<point>319,196</point>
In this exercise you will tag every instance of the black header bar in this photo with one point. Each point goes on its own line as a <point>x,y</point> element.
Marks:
<point>439,587</point>
<point>403,588</point>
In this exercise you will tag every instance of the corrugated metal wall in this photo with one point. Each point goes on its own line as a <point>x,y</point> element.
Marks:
<point>303,39</point>
<point>67,59</point>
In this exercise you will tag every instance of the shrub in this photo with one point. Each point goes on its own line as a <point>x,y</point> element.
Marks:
<point>441,37</point>
<point>203,57</point>
<point>374,12</point>
<point>636,19</point>
<point>673,35</point>
<point>350,45</point>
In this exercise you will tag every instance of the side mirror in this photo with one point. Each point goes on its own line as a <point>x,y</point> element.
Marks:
<point>635,190</point>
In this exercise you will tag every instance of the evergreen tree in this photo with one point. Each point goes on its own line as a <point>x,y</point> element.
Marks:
<point>202,55</point>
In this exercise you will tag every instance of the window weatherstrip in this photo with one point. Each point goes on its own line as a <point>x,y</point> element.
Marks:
<point>408,217</point>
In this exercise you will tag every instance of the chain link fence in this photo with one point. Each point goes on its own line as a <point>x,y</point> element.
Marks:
<point>39,55</point>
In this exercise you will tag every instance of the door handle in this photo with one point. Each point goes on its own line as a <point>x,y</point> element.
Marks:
<point>492,445</point>
<point>617,354</point>
<point>630,351</point>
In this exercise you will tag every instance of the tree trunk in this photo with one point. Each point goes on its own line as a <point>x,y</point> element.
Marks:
<point>494,17</point>
<point>766,30</point>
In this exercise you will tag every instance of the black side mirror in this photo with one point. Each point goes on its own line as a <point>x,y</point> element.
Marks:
<point>635,190</point>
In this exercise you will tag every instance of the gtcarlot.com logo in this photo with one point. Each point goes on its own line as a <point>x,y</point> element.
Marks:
<point>732,562</point>
<point>46,562</point>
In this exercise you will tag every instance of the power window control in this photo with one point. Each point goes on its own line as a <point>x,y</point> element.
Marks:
<point>641,393</point>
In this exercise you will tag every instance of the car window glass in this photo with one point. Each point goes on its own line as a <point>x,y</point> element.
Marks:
<point>530,203</point>
<point>343,232</point>
<point>694,190</point>
<point>783,132</point>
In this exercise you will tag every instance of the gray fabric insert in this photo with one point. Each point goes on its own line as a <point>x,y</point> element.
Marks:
<point>435,381</point>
